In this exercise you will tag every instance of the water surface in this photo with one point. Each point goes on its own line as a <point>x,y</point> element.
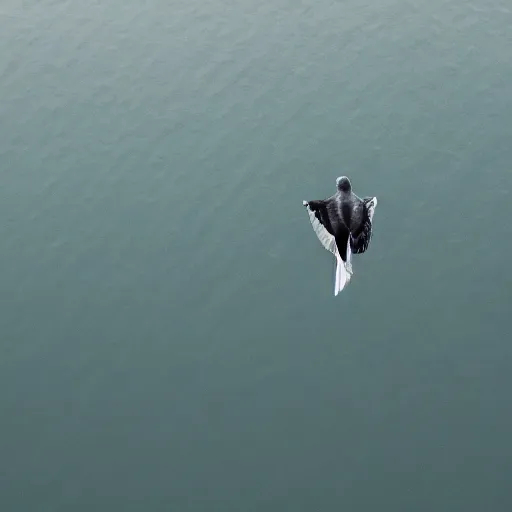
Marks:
<point>169,336</point>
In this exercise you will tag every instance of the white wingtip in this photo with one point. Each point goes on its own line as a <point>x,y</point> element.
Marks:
<point>371,208</point>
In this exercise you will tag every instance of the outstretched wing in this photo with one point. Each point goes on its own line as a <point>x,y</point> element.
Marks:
<point>360,241</point>
<point>319,218</point>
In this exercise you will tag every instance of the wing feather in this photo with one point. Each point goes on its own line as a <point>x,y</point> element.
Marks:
<point>321,224</point>
<point>360,241</point>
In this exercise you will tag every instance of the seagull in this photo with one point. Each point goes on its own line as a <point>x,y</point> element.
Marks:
<point>343,224</point>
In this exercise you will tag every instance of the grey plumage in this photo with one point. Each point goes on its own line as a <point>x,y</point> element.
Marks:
<point>343,222</point>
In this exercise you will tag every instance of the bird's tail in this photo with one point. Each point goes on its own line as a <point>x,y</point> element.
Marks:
<point>343,270</point>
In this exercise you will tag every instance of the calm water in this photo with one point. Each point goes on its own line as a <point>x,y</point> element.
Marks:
<point>169,338</point>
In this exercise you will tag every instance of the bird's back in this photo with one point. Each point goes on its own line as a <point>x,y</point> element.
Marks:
<point>350,210</point>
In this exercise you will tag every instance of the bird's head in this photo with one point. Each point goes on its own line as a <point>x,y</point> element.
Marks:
<point>343,184</point>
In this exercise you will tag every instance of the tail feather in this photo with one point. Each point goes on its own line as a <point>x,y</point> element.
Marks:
<point>343,271</point>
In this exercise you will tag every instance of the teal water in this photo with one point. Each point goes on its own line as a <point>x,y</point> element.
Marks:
<point>169,340</point>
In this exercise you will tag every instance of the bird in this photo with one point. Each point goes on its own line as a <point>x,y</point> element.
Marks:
<point>343,224</point>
